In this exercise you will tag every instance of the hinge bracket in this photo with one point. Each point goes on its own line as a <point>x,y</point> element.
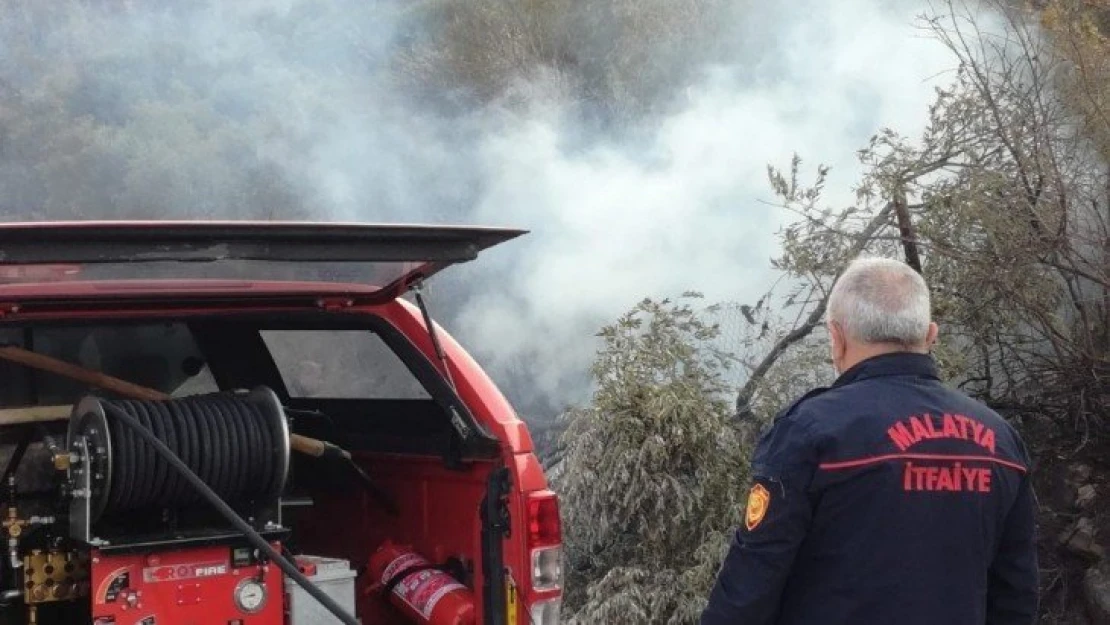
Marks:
<point>335,303</point>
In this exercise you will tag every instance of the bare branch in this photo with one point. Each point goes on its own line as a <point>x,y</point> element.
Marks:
<point>862,240</point>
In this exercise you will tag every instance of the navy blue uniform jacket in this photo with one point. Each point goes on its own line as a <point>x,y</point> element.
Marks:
<point>887,499</point>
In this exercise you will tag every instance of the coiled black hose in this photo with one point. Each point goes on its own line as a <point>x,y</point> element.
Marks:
<point>140,431</point>
<point>230,442</point>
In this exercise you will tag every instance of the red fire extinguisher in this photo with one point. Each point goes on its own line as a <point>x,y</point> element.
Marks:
<point>424,593</point>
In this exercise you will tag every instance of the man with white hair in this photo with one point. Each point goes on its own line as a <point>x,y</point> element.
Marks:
<point>886,498</point>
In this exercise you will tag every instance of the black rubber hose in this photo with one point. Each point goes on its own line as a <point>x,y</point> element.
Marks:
<point>17,456</point>
<point>145,468</point>
<point>244,445</point>
<point>267,444</point>
<point>240,425</point>
<point>230,446</point>
<point>205,456</point>
<point>233,444</point>
<point>249,532</point>
<point>218,450</point>
<point>156,471</point>
<point>208,456</point>
<point>122,487</point>
<point>175,440</point>
<point>258,450</point>
<point>194,453</point>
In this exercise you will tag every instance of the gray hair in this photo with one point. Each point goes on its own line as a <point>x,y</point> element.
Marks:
<point>879,300</point>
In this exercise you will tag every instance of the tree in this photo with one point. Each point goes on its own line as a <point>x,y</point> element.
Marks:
<point>620,60</point>
<point>653,476</point>
<point>1003,202</point>
<point>1079,31</point>
<point>1004,205</point>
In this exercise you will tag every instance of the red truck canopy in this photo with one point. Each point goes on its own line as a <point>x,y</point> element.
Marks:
<point>374,262</point>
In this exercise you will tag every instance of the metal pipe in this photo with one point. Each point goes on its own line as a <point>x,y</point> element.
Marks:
<point>13,553</point>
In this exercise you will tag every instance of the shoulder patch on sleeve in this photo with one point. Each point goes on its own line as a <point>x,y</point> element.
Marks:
<point>759,501</point>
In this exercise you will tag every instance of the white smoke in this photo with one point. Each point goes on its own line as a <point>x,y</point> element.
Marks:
<point>612,224</point>
<point>251,109</point>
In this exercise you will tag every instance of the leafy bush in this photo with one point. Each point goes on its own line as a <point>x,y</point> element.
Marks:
<point>654,473</point>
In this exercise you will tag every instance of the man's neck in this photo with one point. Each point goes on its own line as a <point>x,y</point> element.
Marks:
<point>859,353</point>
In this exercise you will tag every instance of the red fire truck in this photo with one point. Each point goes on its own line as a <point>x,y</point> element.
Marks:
<point>236,423</point>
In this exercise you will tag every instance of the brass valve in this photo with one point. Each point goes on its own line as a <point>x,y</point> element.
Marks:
<point>55,576</point>
<point>14,525</point>
<point>62,461</point>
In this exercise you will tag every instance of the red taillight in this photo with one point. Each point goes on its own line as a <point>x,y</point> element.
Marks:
<point>545,551</point>
<point>544,525</point>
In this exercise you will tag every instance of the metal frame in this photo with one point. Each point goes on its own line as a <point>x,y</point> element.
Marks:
<point>90,444</point>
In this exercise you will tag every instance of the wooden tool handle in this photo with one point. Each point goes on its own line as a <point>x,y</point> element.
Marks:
<point>307,446</point>
<point>88,376</point>
<point>42,362</point>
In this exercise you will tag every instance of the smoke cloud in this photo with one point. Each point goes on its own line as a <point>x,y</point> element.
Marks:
<point>300,109</point>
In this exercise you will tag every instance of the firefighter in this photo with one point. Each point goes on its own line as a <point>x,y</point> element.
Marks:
<point>886,498</point>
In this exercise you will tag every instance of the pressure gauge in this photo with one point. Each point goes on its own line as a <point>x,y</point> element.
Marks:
<point>250,595</point>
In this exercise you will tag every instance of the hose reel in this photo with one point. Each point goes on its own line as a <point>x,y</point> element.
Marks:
<point>237,443</point>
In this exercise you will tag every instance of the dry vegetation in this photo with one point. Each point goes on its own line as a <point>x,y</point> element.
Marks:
<point>621,60</point>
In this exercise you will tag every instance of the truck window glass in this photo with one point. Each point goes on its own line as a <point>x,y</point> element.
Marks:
<point>158,356</point>
<point>340,364</point>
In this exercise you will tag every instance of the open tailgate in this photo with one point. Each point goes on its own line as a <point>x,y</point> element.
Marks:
<point>373,262</point>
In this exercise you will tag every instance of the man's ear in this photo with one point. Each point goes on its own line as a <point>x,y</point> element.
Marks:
<point>931,337</point>
<point>837,344</point>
